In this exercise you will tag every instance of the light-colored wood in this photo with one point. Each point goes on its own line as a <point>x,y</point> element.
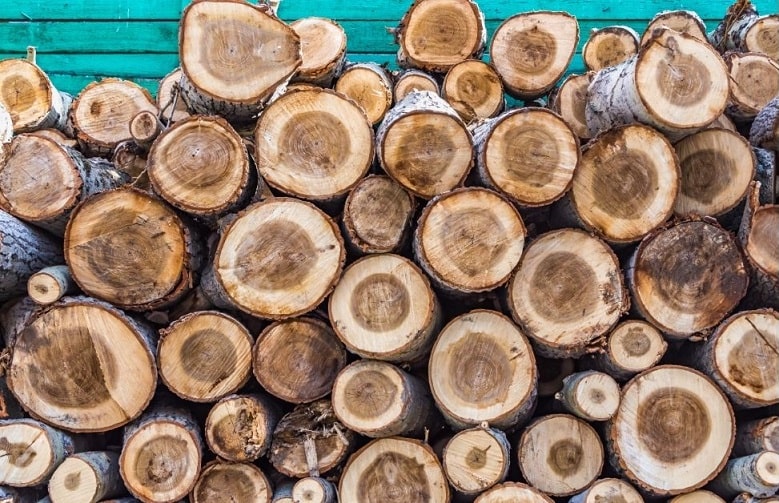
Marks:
<point>510,492</point>
<point>748,498</point>
<point>754,83</point>
<point>756,474</point>
<point>476,459</point>
<point>32,101</point>
<point>532,50</point>
<point>551,373</point>
<point>314,144</point>
<point>743,29</point>
<point>673,431</point>
<point>482,368</point>
<point>169,101</point>
<point>683,21</point>
<point>224,482</point>
<point>53,134</point>
<point>758,238</point>
<point>609,46</point>
<point>569,101</point>
<point>724,122</point>
<point>435,35</point>
<point>394,470</point>
<point>370,86</point>
<point>239,427</point>
<point>30,451</point>
<point>608,491</point>
<point>764,131</point>
<point>527,154</point>
<point>474,90</point>
<point>560,455</point>
<point>96,368</point>
<point>383,307</point>
<point>757,435</point>
<point>86,477</point>
<point>565,300</point>
<point>590,395</point>
<point>50,284</point>
<point>699,496</point>
<point>686,278</point>
<point>632,347</point>
<point>469,240</point>
<point>145,127</point>
<point>410,80</point>
<point>314,490</point>
<point>323,50</point>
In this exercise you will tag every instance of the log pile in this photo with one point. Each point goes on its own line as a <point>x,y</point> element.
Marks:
<point>293,278</point>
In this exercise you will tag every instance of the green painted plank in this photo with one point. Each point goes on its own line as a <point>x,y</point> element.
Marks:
<point>73,84</point>
<point>39,10</point>
<point>107,65</point>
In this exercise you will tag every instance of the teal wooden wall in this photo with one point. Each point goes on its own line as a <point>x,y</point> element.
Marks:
<point>83,40</point>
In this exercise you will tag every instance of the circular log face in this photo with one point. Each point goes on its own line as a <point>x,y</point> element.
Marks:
<point>473,88</point>
<point>370,87</point>
<point>394,470</point>
<point>279,258</point>
<point>238,428</point>
<point>762,37</point>
<point>82,366</point>
<point>636,345</point>
<point>755,80</point>
<point>513,492</point>
<point>570,102</point>
<point>699,496</point>
<point>673,430</point>
<point>86,477</point>
<point>322,42</point>
<point>609,46</point>
<point>221,482</point>
<point>763,240</point>
<point>25,91</point>
<point>413,80</point>
<point>476,459</point>
<point>612,491</point>
<point>678,20</point>
<point>28,453</point>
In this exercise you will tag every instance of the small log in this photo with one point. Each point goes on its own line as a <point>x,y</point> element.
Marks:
<point>413,80</point>
<point>469,240</point>
<point>464,391</point>
<point>394,469</point>
<point>98,376</point>
<point>566,301</point>
<point>551,373</point>
<point>370,86</point>
<point>609,491</point>
<point>632,347</point>
<point>424,145</point>
<point>131,249</point>
<point>377,216</point>
<point>569,100</point>
<point>323,50</point>
<point>31,99</point>
<point>314,490</point>
<point>764,131</point>
<point>239,427</point>
<point>590,395</point>
<point>435,35</point>
<point>170,102</point>
<point>527,154</point>
<point>41,182</point>
<point>30,451</point>
<point>676,84</point>
<point>699,496</point>
<point>532,50</point>
<point>473,88</point>
<point>609,46</point>
<point>283,493</point>
<point>316,424</point>
<point>130,159</point>
<point>384,308</point>
<point>756,436</point>
<point>50,284</point>
<point>754,83</point>
<point>222,482</point>
<point>102,112</point>
<point>513,491</point>
<point>201,166</point>
<point>756,474</point>
<point>476,459</point>
<point>24,250</point>
<point>673,431</point>
<point>87,477</point>
<point>717,166</point>
<point>743,29</point>
<point>757,235</point>
<point>234,55</point>
<point>145,127</point>
<point>313,144</point>
<point>683,21</point>
<point>204,356</point>
<point>560,455</point>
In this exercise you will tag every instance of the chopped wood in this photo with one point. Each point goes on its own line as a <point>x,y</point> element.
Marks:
<point>413,80</point>
<point>88,477</point>
<point>323,50</point>
<point>50,284</point>
<point>682,21</point>
<point>31,451</point>
<point>609,46</point>
<point>474,90</point>
<point>370,86</point>
<point>569,100</point>
<point>239,427</point>
<point>30,98</point>
<point>476,459</point>
<point>223,482</point>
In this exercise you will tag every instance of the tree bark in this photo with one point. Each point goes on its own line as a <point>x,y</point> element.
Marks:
<point>323,50</point>
<point>569,100</point>
<point>756,474</point>
<point>609,46</point>
<point>744,30</point>
<point>170,102</point>
<point>764,131</point>
<point>758,239</point>
<point>611,490</point>
<point>513,491</point>
<point>632,347</point>
<point>476,459</point>
<point>473,88</point>
<point>50,284</point>
<point>410,80</point>
<point>748,498</point>
<point>87,477</point>
<point>754,83</point>
<point>31,99</point>
<point>31,451</point>
<point>756,436</point>
<point>223,482</point>
<point>590,395</point>
<point>683,21</point>
<point>532,50</point>
<point>370,86</point>
<point>130,159</point>
<point>6,126</point>
<point>239,427</point>
<point>314,490</point>
<point>23,495</point>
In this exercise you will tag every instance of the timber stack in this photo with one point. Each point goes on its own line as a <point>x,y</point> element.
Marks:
<point>296,278</point>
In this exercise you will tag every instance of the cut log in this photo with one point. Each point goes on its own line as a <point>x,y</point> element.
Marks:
<point>569,101</point>
<point>683,21</point>
<point>609,491</point>
<point>24,250</point>
<point>469,240</point>
<point>313,144</point>
<point>102,112</point>
<point>754,83</point>
<point>699,496</point>
<point>370,86</point>
<point>30,98</point>
<point>384,308</point>
<point>145,127</point>
<point>560,455</point>
<point>473,88</point>
<point>741,357</point>
<point>724,122</point>
<point>52,134</point>
<point>513,492</point>
<point>87,477</point>
<point>744,30</point>
<point>532,50</point>
<point>482,368</point>
<point>590,395</point>
<point>130,159</point>
<point>314,490</point>
<point>717,166</point>
<point>316,424</point>
<point>632,347</point>
<point>239,427</point>
<point>476,459</point>
<point>31,451</point>
<point>279,259</point>
<point>204,356</point>
<point>566,301</point>
<point>222,482</point>
<point>756,436</point>
<point>323,50</point>
<point>41,182</point>
<point>764,131</point>
<point>201,166</point>
<point>171,104</point>
<point>551,373</point>
<point>6,126</point>
<point>609,46</point>
<point>95,366</point>
<point>413,80</point>
<point>131,249</point>
<point>676,84</point>
<point>673,431</point>
<point>527,154</point>
<point>625,185</point>
<point>435,35</point>
<point>50,284</point>
<point>424,145</point>
<point>686,278</point>
<point>757,474</point>
<point>760,243</point>
<point>234,55</point>
<point>377,216</point>
<point>394,470</point>
<point>161,455</point>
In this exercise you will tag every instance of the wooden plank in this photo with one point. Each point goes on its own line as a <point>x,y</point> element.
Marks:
<point>106,65</point>
<point>43,10</point>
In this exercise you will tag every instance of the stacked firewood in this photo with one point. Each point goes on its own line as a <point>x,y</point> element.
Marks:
<point>291,278</point>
